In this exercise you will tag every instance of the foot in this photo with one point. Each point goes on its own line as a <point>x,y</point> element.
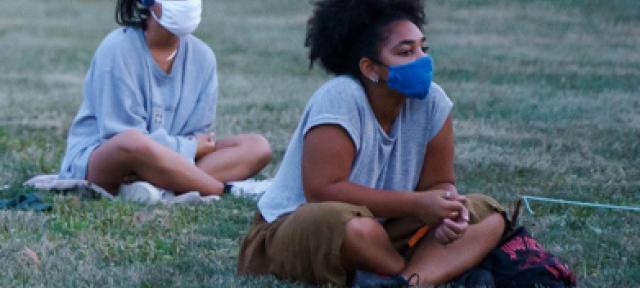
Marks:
<point>364,279</point>
<point>192,197</point>
<point>141,192</point>
<point>474,277</point>
<point>249,188</point>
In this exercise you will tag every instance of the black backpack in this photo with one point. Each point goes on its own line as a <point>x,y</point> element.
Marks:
<point>518,261</point>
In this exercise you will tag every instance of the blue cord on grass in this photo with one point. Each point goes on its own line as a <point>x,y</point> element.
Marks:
<point>526,199</point>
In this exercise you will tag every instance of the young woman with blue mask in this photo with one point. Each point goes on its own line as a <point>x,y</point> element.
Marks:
<point>149,98</point>
<point>369,168</point>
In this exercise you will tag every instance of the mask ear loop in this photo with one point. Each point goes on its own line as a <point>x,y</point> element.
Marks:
<point>377,62</point>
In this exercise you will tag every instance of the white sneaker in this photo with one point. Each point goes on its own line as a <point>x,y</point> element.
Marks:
<point>141,192</point>
<point>249,188</point>
<point>193,197</point>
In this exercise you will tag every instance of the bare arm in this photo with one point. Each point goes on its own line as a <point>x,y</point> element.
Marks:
<point>437,170</point>
<point>438,173</point>
<point>326,165</point>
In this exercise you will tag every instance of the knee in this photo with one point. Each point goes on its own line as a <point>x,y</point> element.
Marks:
<point>134,143</point>
<point>364,229</point>
<point>259,147</point>
<point>366,235</point>
<point>496,223</point>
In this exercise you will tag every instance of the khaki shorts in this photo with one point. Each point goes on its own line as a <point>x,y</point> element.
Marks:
<point>305,245</point>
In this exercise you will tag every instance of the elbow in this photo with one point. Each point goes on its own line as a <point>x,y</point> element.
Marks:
<point>448,184</point>
<point>440,185</point>
<point>312,195</point>
<point>318,193</point>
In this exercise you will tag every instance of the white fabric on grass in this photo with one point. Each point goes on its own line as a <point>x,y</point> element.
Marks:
<point>249,188</point>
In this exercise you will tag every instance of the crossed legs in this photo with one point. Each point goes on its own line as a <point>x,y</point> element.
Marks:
<point>366,246</point>
<point>133,153</point>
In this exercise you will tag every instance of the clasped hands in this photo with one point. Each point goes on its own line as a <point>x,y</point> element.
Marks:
<point>206,143</point>
<point>444,212</point>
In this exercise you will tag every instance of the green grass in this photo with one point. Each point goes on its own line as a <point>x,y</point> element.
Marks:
<point>547,101</point>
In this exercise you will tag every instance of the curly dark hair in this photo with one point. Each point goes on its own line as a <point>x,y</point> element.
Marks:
<point>341,32</point>
<point>131,13</point>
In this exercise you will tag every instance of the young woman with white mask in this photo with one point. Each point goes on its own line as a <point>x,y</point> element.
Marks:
<point>149,98</point>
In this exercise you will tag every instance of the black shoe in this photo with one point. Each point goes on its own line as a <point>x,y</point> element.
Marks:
<point>364,279</point>
<point>473,278</point>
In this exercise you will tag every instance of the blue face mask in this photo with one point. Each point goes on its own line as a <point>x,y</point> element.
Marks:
<point>412,79</point>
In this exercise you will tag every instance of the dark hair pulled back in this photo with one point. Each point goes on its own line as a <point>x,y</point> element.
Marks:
<point>341,32</point>
<point>131,13</point>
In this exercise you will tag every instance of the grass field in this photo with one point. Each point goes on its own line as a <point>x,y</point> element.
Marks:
<point>547,100</point>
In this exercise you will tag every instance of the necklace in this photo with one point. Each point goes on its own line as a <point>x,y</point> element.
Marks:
<point>172,55</point>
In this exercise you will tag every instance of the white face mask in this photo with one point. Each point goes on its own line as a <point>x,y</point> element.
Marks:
<point>180,17</point>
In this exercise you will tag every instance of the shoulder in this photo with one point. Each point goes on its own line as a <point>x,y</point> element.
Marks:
<point>437,98</point>
<point>342,84</point>
<point>434,111</point>
<point>438,94</point>
<point>339,100</point>
<point>200,50</point>
<point>342,89</point>
<point>122,45</point>
<point>119,41</point>
<point>440,102</point>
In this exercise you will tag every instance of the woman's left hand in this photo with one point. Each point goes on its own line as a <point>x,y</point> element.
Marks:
<point>451,230</point>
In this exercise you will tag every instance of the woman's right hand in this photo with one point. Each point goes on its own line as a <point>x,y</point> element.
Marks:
<point>435,205</point>
<point>206,144</point>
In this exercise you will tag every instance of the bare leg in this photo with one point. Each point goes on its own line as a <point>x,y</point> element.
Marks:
<point>131,152</point>
<point>237,157</point>
<point>367,246</point>
<point>436,263</point>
